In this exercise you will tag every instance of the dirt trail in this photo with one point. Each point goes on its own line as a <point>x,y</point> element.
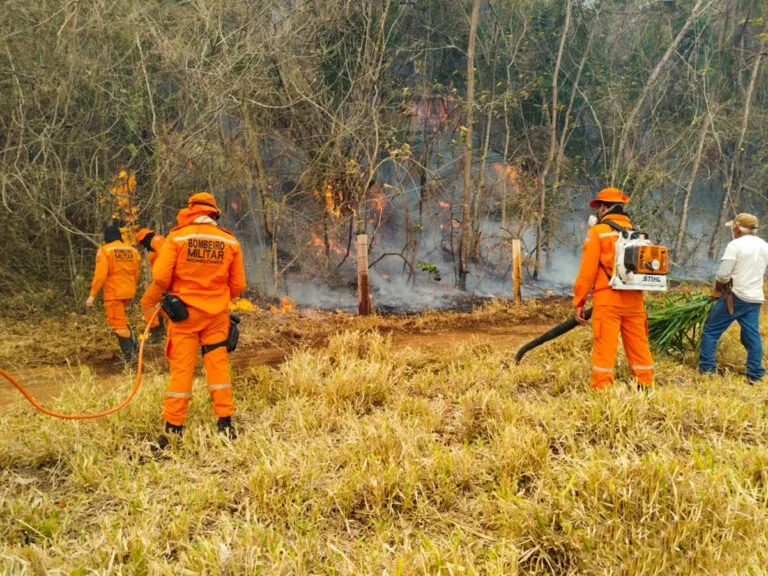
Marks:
<point>44,382</point>
<point>48,381</point>
<point>499,336</point>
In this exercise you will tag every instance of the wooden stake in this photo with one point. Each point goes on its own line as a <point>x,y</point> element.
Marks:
<point>517,270</point>
<point>363,288</point>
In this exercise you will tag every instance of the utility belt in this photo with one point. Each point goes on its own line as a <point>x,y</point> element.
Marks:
<point>232,337</point>
<point>176,311</point>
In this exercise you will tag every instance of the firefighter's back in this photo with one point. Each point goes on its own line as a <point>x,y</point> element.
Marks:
<point>208,260</point>
<point>123,270</point>
<point>603,295</point>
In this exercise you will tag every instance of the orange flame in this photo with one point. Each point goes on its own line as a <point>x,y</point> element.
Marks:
<point>331,207</point>
<point>376,198</point>
<point>317,241</point>
<point>509,173</point>
<point>434,111</point>
<point>286,306</point>
<point>319,245</point>
<point>123,189</point>
<point>242,304</point>
<point>377,202</point>
<point>336,247</point>
<point>443,204</point>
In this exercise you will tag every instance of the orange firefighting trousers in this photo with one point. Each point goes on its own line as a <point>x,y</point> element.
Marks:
<point>184,341</point>
<point>152,295</point>
<point>607,322</point>
<point>116,317</point>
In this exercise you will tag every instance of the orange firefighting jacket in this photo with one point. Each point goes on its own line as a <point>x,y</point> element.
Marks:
<point>117,270</point>
<point>597,266</point>
<point>155,244</point>
<point>200,263</point>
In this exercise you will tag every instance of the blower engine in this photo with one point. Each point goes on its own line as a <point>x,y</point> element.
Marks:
<point>639,264</point>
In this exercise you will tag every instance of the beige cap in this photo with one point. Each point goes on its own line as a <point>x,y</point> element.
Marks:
<point>743,220</point>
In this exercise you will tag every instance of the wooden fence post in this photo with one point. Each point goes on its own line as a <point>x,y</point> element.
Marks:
<point>517,270</point>
<point>363,288</point>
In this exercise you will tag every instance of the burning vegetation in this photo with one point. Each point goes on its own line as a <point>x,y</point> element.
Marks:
<point>286,306</point>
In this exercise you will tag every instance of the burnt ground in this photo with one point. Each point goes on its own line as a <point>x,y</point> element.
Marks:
<point>45,359</point>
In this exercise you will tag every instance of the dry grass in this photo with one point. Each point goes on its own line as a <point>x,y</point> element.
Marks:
<point>362,458</point>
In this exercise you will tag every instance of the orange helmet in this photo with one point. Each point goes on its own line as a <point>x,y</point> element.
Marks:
<point>141,234</point>
<point>205,200</point>
<point>609,196</point>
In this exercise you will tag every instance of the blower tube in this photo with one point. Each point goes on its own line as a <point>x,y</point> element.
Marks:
<point>551,334</point>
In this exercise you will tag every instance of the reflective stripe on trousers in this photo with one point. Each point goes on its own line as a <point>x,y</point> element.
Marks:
<point>599,369</point>
<point>219,386</point>
<point>182,349</point>
<point>607,323</point>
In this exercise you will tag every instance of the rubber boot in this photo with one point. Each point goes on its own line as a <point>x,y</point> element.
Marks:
<point>164,440</point>
<point>157,333</point>
<point>226,429</point>
<point>129,346</point>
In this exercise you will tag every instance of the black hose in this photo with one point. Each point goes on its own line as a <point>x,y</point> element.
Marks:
<point>551,334</point>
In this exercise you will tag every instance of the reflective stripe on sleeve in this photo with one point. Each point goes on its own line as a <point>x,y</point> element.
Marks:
<point>607,234</point>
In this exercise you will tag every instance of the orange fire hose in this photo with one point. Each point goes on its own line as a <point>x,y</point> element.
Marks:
<point>112,410</point>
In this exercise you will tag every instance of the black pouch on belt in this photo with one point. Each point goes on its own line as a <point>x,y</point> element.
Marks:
<point>232,337</point>
<point>174,308</point>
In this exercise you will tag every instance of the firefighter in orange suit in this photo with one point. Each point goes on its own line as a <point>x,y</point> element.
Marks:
<point>152,243</point>
<point>201,264</point>
<point>614,311</point>
<point>117,271</point>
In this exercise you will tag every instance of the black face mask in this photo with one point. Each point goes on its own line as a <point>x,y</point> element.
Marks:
<point>147,242</point>
<point>112,233</point>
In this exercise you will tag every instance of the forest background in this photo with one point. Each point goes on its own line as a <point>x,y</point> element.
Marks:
<point>441,128</point>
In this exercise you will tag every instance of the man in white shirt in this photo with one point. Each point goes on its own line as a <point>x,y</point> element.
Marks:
<point>741,271</point>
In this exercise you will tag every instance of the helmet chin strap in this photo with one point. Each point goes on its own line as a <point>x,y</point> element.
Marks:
<point>593,219</point>
<point>617,208</point>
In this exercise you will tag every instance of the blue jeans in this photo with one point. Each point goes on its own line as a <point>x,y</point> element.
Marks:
<point>747,314</point>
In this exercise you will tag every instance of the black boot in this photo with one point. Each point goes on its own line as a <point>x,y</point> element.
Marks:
<point>164,440</point>
<point>129,346</point>
<point>226,428</point>
<point>157,334</point>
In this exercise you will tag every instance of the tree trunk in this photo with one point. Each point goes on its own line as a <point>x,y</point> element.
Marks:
<point>476,232</point>
<point>552,142</point>
<point>679,241</point>
<point>618,158</point>
<point>714,244</point>
<point>505,175</point>
<point>465,203</point>
<point>561,147</point>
